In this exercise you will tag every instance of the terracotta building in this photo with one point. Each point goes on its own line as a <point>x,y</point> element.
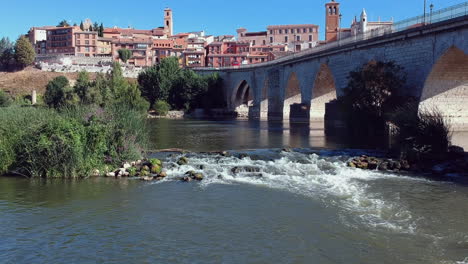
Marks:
<point>61,40</point>
<point>86,43</point>
<point>141,51</point>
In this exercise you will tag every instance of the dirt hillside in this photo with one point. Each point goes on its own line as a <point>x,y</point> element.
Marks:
<point>24,82</point>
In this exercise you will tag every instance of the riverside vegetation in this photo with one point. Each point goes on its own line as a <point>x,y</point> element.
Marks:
<point>93,127</point>
<point>422,137</point>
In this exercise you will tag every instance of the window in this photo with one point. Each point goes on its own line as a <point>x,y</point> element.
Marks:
<point>310,37</point>
<point>264,42</point>
<point>286,39</point>
<point>271,39</point>
<point>87,36</point>
<point>263,59</point>
<point>281,31</point>
<point>310,30</point>
<point>78,42</point>
<point>310,45</point>
<point>298,38</point>
<point>286,31</point>
<point>271,32</point>
<point>304,30</point>
<point>253,42</point>
<point>87,42</point>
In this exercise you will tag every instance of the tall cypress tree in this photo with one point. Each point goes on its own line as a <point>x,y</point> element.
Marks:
<point>81,26</point>
<point>101,30</point>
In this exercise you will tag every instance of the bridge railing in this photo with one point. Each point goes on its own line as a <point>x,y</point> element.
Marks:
<point>455,11</point>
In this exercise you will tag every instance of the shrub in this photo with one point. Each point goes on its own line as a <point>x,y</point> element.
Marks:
<point>5,100</point>
<point>421,133</point>
<point>55,95</point>
<point>73,143</point>
<point>161,108</point>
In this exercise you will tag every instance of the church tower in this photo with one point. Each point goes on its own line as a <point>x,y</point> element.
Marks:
<point>363,21</point>
<point>168,23</point>
<point>332,22</point>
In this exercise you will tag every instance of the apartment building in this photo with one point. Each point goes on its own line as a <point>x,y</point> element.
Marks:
<point>61,40</point>
<point>86,43</point>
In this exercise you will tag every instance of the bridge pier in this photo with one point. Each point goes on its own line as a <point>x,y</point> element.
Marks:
<point>299,113</point>
<point>254,112</point>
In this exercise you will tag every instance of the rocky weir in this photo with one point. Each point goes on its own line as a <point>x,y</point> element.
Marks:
<point>184,166</point>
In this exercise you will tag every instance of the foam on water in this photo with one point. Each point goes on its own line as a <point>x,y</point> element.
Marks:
<point>320,177</point>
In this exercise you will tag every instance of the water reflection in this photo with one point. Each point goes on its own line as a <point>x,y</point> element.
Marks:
<point>212,135</point>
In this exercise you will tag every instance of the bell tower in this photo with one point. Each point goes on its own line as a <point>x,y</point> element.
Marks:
<point>168,23</point>
<point>332,22</point>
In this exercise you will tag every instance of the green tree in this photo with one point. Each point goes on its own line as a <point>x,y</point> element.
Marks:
<point>101,30</point>
<point>87,92</point>
<point>82,26</point>
<point>24,52</point>
<point>63,23</point>
<point>125,54</point>
<point>148,81</point>
<point>58,93</point>
<point>96,26</point>
<point>188,90</point>
<point>371,87</point>
<point>169,71</point>
<point>6,53</point>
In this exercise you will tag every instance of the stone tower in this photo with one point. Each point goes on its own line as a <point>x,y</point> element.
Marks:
<point>332,22</point>
<point>168,23</point>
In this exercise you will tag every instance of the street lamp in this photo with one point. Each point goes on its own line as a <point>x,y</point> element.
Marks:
<point>339,27</point>
<point>432,7</point>
<point>424,20</point>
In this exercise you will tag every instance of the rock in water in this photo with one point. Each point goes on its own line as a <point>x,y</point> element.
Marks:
<point>182,161</point>
<point>186,179</point>
<point>198,177</point>
<point>156,169</point>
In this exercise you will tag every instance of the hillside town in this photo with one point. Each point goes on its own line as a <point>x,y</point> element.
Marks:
<point>85,45</point>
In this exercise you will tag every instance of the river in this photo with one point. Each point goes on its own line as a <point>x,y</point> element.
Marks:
<point>297,207</point>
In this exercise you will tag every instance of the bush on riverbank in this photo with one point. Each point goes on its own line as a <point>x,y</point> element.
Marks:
<point>422,134</point>
<point>71,143</point>
<point>161,108</point>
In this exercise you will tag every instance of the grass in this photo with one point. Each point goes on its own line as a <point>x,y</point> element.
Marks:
<point>71,143</point>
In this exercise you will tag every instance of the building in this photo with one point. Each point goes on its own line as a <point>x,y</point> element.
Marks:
<point>86,43</point>
<point>227,53</point>
<point>364,26</point>
<point>141,51</point>
<point>296,37</point>
<point>104,46</point>
<point>61,40</point>
<point>194,58</point>
<point>334,31</point>
<point>38,38</point>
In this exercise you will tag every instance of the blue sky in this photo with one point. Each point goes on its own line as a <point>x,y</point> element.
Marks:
<point>215,16</point>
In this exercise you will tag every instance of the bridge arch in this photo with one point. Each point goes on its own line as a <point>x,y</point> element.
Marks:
<point>292,94</point>
<point>446,87</point>
<point>242,98</point>
<point>323,91</point>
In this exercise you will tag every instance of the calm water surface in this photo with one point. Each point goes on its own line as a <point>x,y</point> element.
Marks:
<point>302,207</point>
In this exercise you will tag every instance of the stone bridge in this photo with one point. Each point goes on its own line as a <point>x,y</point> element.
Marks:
<point>434,57</point>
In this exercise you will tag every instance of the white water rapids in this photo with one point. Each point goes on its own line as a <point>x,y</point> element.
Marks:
<point>325,178</point>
